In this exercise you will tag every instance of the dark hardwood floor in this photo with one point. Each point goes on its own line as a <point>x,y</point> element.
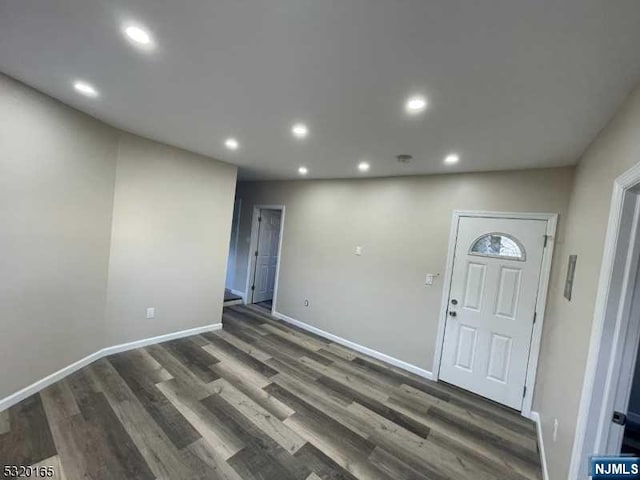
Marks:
<point>262,400</point>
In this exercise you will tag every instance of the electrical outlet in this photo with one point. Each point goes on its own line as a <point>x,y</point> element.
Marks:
<point>555,429</point>
<point>358,250</point>
<point>306,303</point>
<point>151,312</point>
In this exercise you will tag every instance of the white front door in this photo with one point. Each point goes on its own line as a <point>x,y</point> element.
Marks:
<point>494,288</point>
<point>267,255</point>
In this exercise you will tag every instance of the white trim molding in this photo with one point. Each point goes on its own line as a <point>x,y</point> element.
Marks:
<point>230,277</point>
<point>602,354</point>
<point>535,416</point>
<point>230,303</point>
<point>541,302</point>
<point>359,348</point>
<point>48,380</point>
<point>83,362</point>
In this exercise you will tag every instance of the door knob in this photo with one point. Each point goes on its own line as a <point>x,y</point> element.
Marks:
<point>454,301</point>
<point>452,314</point>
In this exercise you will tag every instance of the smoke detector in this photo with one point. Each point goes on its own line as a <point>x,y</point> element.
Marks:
<point>404,158</point>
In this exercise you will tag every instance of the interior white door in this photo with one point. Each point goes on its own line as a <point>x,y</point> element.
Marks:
<point>494,288</point>
<point>267,255</point>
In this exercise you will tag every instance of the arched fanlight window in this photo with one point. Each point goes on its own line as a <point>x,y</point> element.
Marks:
<point>498,245</point>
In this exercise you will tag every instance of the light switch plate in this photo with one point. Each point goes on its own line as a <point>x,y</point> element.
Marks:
<point>429,278</point>
<point>151,313</point>
<point>358,250</point>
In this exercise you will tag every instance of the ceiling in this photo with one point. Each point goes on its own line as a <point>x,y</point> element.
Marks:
<point>511,83</point>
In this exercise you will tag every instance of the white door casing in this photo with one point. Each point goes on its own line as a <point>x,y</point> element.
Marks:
<point>267,255</point>
<point>608,329</point>
<point>487,343</point>
<point>620,375</point>
<point>233,245</point>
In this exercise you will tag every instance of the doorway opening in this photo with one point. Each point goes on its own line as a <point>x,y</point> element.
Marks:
<point>630,444</point>
<point>608,418</point>
<point>264,259</point>
<point>496,283</point>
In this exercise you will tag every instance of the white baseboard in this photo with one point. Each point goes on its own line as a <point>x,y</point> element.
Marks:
<point>359,348</point>
<point>48,380</point>
<point>230,303</point>
<point>69,369</point>
<point>535,416</point>
<point>159,339</point>
<point>240,294</point>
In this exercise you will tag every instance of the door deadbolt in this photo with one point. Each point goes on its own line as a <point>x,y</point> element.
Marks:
<point>454,301</point>
<point>452,314</point>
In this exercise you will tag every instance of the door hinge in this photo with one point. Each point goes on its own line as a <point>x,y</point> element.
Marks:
<point>619,418</point>
<point>259,219</point>
<point>256,253</point>
<point>535,316</point>
<point>546,240</point>
<point>253,287</point>
<point>524,391</point>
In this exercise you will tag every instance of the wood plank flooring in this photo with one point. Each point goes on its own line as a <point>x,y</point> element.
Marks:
<point>262,400</point>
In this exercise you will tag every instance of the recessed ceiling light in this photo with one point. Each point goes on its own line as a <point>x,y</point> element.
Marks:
<point>303,170</point>
<point>85,88</point>
<point>300,130</point>
<point>416,104</point>
<point>138,35</point>
<point>364,166</point>
<point>451,158</point>
<point>231,144</point>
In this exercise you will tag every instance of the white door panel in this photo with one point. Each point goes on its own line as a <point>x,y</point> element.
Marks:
<point>508,292</point>
<point>474,290</point>
<point>267,255</point>
<point>466,347</point>
<point>494,289</point>
<point>499,358</point>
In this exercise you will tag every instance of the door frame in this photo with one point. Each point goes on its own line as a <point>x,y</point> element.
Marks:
<point>541,300</point>
<point>611,323</point>
<point>253,244</point>
<point>233,244</point>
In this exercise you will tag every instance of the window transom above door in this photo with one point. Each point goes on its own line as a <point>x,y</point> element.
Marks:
<point>498,245</point>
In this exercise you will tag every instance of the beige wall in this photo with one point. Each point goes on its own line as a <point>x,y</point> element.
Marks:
<point>57,169</point>
<point>380,299</point>
<point>171,228</point>
<point>568,326</point>
<point>171,224</point>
